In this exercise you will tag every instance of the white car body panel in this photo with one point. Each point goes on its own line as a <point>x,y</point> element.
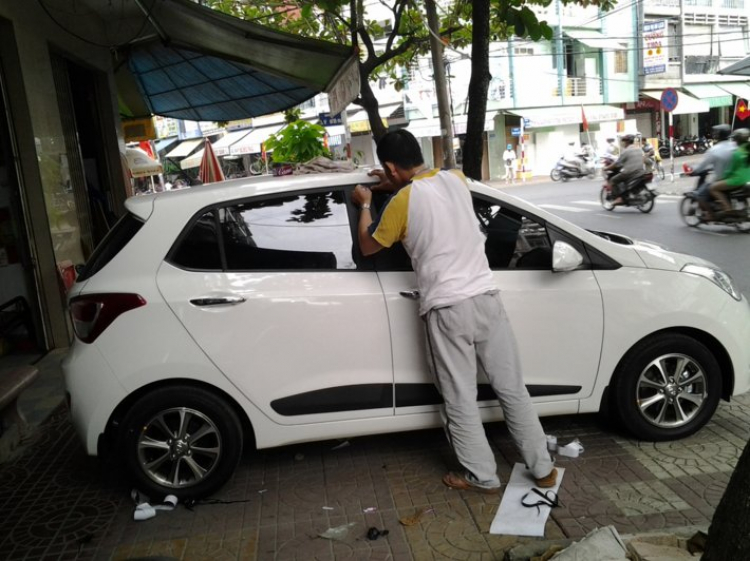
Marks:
<point>538,303</point>
<point>572,326</point>
<point>296,332</point>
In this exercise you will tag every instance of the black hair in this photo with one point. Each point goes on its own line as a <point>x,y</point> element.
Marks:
<point>400,148</point>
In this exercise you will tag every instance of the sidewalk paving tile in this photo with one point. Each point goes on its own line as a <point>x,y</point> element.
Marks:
<point>60,504</point>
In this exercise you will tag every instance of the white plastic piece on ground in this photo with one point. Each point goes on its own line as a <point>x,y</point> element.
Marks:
<point>143,511</point>
<point>599,544</point>
<point>338,532</point>
<point>514,519</point>
<point>571,450</point>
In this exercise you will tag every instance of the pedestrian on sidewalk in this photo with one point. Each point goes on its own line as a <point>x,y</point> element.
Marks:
<point>432,214</point>
<point>509,159</point>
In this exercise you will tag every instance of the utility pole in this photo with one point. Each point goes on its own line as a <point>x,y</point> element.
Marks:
<point>441,90</point>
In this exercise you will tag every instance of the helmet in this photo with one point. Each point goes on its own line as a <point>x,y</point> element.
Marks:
<point>721,132</point>
<point>510,147</point>
<point>648,149</point>
<point>610,140</point>
<point>629,138</point>
<point>741,136</point>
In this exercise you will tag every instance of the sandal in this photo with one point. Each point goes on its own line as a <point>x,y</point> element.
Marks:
<point>456,481</point>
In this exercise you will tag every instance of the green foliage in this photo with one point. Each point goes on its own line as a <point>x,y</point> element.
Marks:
<point>291,115</point>
<point>298,142</point>
<point>385,52</point>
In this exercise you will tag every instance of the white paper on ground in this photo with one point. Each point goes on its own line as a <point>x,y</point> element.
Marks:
<point>514,519</point>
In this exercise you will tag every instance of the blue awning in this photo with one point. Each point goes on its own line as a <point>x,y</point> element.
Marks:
<point>203,65</point>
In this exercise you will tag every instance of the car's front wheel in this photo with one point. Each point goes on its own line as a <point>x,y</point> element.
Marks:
<point>667,387</point>
<point>181,440</point>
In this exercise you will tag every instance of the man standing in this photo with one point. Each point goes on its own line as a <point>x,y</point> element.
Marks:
<point>509,159</point>
<point>431,212</point>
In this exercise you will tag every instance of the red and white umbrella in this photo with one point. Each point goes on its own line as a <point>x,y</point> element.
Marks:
<point>210,170</point>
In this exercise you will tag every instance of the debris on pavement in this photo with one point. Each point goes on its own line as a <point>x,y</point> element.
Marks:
<point>412,520</point>
<point>373,533</point>
<point>369,509</point>
<point>338,532</point>
<point>341,445</point>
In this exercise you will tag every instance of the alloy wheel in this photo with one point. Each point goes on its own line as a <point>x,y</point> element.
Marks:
<point>671,390</point>
<point>179,447</point>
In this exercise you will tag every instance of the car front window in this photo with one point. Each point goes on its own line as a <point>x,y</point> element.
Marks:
<point>513,240</point>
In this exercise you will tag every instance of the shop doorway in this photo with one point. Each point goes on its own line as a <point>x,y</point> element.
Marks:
<point>21,339</point>
<point>87,175</point>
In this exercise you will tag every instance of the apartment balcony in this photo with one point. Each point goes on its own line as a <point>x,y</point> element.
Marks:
<point>581,88</point>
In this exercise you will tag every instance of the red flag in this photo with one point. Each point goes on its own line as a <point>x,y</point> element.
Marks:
<point>585,121</point>
<point>742,112</point>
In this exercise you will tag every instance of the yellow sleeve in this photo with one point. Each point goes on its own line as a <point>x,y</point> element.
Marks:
<point>391,226</point>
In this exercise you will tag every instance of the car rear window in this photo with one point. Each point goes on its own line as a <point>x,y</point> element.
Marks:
<point>117,238</point>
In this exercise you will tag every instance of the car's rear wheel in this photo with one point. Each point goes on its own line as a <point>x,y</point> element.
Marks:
<point>667,387</point>
<point>181,440</point>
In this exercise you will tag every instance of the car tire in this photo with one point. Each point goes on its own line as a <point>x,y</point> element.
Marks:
<point>161,451</point>
<point>665,367</point>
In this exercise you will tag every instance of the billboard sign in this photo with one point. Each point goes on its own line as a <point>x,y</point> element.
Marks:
<point>655,47</point>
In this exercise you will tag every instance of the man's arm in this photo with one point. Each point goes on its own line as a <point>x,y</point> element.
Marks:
<point>362,196</point>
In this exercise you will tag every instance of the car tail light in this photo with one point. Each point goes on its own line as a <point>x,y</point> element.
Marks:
<point>93,313</point>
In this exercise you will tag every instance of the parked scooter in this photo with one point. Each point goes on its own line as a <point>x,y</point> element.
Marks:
<point>565,169</point>
<point>693,215</point>
<point>637,193</point>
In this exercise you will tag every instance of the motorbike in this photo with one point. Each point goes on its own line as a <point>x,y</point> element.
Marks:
<point>637,193</point>
<point>565,169</point>
<point>693,215</point>
<point>678,149</point>
<point>703,144</point>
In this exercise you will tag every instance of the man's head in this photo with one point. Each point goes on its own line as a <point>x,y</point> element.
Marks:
<point>741,136</point>
<point>721,132</point>
<point>610,140</point>
<point>628,140</point>
<point>400,155</point>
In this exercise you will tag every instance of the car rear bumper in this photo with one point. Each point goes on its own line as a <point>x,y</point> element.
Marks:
<point>94,392</point>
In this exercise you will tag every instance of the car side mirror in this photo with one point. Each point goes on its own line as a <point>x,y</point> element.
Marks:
<point>565,257</point>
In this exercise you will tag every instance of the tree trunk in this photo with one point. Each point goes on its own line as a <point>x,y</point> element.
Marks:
<point>729,534</point>
<point>370,104</point>
<point>445,111</point>
<point>473,148</point>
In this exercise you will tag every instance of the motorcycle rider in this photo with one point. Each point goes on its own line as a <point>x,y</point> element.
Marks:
<point>649,158</point>
<point>630,166</point>
<point>612,149</point>
<point>716,160</point>
<point>737,174</point>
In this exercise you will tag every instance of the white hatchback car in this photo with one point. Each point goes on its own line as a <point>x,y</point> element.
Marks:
<point>244,311</point>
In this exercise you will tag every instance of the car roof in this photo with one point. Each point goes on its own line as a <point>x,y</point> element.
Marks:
<point>142,205</point>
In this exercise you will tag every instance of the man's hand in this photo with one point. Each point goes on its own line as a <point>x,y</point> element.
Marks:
<point>384,184</point>
<point>361,195</point>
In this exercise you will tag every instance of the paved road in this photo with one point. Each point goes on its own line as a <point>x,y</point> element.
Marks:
<point>578,202</point>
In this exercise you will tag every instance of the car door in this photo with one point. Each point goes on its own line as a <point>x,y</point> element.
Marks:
<point>557,318</point>
<point>271,290</point>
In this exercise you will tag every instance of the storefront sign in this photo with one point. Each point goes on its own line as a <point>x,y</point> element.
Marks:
<point>655,47</point>
<point>328,120</point>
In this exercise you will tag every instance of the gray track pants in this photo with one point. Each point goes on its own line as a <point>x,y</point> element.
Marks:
<point>458,336</point>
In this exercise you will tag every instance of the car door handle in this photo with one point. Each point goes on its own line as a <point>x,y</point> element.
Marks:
<point>217,301</point>
<point>411,294</point>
